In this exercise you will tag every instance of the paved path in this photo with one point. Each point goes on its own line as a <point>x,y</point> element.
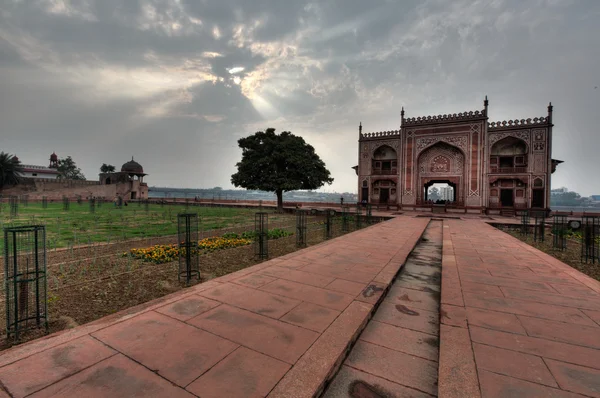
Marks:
<point>515,321</point>
<point>278,328</point>
<point>397,353</point>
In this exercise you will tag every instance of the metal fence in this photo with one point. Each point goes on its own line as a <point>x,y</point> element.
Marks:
<point>25,279</point>
<point>261,230</point>
<point>559,232</point>
<point>189,262</point>
<point>590,226</point>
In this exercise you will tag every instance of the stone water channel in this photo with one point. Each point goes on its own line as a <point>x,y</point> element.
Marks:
<point>397,353</point>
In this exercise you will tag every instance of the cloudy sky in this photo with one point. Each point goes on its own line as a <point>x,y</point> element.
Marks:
<point>175,83</point>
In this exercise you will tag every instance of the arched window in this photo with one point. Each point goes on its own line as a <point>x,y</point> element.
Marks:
<point>385,160</point>
<point>508,153</point>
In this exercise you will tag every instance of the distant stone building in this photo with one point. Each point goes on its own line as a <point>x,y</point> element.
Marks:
<point>36,171</point>
<point>491,167</point>
<point>40,181</point>
<point>446,193</point>
<point>129,181</point>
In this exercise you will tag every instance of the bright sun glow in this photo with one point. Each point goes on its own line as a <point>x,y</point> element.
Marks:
<point>236,69</point>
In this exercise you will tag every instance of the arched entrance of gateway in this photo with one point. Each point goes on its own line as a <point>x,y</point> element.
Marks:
<point>438,164</point>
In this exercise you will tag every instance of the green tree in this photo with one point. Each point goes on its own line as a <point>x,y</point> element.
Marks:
<point>10,170</point>
<point>279,163</point>
<point>107,168</point>
<point>69,170</point>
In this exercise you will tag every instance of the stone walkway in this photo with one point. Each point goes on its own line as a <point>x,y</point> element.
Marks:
<point>278,328</point>
<point>397,353</point>
<point>515,322</point>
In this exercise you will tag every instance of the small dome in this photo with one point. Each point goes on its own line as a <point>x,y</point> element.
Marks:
<point>15,159</point>
<point>53,157</point>
<point>132,167</point>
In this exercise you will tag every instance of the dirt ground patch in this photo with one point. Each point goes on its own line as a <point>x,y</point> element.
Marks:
<point>571,255</point>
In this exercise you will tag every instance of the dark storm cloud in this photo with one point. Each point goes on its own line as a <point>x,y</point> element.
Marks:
<point>107,79</point>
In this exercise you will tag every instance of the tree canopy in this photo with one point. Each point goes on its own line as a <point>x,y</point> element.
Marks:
<point>10,170</point>
<point>107,168</point>
<point>279,163</point>
<point>69,170</point>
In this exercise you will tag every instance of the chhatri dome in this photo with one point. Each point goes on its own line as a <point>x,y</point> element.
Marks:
<point>132,167</point>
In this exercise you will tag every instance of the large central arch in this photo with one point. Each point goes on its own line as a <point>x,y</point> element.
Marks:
<point>441,162</point>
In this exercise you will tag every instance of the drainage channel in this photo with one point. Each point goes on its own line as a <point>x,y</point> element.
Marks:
<point>397,353</point>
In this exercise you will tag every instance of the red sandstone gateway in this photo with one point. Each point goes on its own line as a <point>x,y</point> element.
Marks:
<point>497,167</point>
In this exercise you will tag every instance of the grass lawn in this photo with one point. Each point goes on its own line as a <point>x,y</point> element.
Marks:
<point>79,226</point>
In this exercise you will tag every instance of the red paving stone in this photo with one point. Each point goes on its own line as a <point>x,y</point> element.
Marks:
<point>263,303</point>
<point>266,335</point>
<point>515,364</point>
<point>354,383</point>
<point>117,376</point>
<point>254,280</point>
<point>326,298</point>
<point>576,378</point>
<point>391,365</point>
<point>298,276</point>
<point>188,308</point>
<point>408,317</point>
<point>244,373</point>
<point>528,308</point>
<point>36,372</point>
<point>498,386</point>
<point>494,320</point>
<point>163,345</point>
<point>311,316</point>
<point>344,286</point>
<point>594,315</point>
<point>403,340</point>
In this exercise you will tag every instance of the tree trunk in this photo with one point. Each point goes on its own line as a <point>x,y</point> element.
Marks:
<point>279,194</point>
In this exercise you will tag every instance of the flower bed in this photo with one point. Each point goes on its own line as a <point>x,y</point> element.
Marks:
<point>160,254</point>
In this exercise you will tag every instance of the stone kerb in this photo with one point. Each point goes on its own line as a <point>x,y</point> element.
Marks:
<point>457,374</point>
